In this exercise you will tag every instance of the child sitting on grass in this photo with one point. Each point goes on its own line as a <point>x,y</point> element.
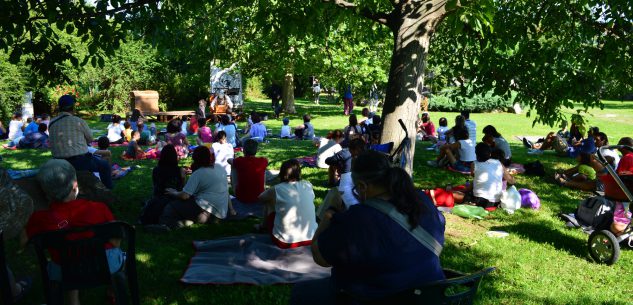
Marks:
<point>205,135</point>
<point>285,129</point>
<point>127,131</point>
<point>103,151</point>
<point>134,151</point>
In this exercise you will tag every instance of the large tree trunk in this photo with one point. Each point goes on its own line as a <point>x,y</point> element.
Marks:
<point>288,93</point>
<point>412,34</point>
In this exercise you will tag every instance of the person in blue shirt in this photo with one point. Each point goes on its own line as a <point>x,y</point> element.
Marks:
<point>32,126</point>
<point>37,139</point>
<point>372,256</point>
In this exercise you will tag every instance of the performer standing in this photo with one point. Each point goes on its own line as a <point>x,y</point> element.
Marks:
<point>221,99</point>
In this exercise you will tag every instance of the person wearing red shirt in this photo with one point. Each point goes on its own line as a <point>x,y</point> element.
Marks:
<point>426,128</point>
<point>624,170</point>
<point>248,173</point>
<point>66,211</point>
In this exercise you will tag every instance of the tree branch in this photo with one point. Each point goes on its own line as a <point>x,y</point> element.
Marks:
<point>112,11</point>
<point>380,17</point>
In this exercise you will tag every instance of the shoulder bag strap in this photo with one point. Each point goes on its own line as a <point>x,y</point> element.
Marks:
<point>419,233</point>
<point>57,120</point>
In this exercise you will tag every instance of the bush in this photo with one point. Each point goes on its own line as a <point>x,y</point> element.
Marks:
<point>254,88</point>
<point>449,101</point>
<point>12,87</point>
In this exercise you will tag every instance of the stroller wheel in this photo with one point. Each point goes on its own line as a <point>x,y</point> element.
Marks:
<point>604,247</point>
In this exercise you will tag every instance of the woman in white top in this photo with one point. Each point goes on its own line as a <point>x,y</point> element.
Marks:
<point>16,126</point>
<point>489,175</point>
<point>289,207</point>
<point>115,130</point>
<point>329,146</point>
<point>223,151</point>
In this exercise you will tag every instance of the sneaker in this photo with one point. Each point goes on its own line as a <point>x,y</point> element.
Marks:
<point>535,152</point>
<point>527,143</point>
<point>432,163</point>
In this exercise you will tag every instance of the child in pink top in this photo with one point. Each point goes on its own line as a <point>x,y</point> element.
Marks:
<point>205,135</point>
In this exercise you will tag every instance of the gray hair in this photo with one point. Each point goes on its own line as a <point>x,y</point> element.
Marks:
<point>57,177</point>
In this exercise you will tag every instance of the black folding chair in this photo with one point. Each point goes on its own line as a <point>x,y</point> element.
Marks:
<point>83,260</point>
<point>5,285</point>
<point>457,289</point>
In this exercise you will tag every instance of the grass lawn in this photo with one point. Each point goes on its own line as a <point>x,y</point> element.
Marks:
<point>541,262</point>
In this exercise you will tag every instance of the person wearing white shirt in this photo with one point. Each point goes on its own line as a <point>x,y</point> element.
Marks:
<point>328,147</point>
<point>285,129</point>
<point>115,131</point>
<point>289,207</point>
<point>601,139</point>
<point>223,151</point>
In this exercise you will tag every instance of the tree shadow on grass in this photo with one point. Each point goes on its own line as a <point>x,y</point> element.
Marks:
<point>542,233</point>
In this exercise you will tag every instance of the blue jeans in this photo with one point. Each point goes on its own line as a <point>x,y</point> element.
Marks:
<point>90,163</point>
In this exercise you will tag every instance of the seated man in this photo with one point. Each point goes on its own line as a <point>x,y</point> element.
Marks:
<point>248,173</point>
<point>66,211</point>
<point>221,103</point>
<point>37,139</point>
<point>69,138</point>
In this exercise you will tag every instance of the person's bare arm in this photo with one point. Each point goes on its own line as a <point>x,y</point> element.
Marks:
<point>180,195</point>
<point>507,177</point>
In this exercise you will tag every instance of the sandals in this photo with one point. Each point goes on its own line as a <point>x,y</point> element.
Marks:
<point>24,285</point>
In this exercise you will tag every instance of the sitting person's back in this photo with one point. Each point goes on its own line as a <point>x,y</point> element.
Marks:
<point>292,202</point>
<point>248,173</point>
<point>371,254</point>
<point>258,129</point>
<point>229,128</point>
<point>285,129</point>
<point>176,138</point>
<point>223,151</point>
<point>59,182</point>
<point>329,146</point>
<point>167,174</point>
<point>103,152</point>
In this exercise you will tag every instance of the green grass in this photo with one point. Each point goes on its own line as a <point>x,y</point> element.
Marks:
<point>541,262</point>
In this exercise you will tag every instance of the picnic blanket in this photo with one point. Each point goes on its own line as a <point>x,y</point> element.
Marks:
<point>309,161</point>
<point>245,210</point>
<point>119,172</point>
<point>532,139</point>
<point>250,259</point>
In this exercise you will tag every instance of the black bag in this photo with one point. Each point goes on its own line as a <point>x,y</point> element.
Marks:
<point>153,209</point>
<point>534,169</point>
<point>595,212</point>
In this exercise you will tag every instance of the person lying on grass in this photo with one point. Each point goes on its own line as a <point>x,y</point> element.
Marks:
<point>289,208</point>
<point>59,182</point>
<point>205,197</point>
<point>373,256</point>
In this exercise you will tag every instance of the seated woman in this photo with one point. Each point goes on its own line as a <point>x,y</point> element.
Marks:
<point>372,255</point>
<point>289,208</point>
<point>223,151</point>
<point>463,147</point>
<point>166,175</point>
<point>176,138</point>
<point>489,175</point>
<point>59,183</point>
<point>460,124</point>
<point>352,131</point>
<point>328,146</point>
<point>257,131</point>
<point>115,131</point>
<point>204,198</point>
<point>581,177</point>
<point>494,139</point>
<point>426,128</point>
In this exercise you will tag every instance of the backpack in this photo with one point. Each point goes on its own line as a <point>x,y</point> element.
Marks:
<point>534,169</point>
<point>595,212</point>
